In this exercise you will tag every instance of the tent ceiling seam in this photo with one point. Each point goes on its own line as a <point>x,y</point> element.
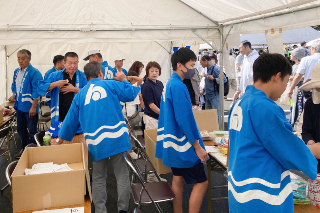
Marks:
<point>215,22</point>
<point>110,29</point>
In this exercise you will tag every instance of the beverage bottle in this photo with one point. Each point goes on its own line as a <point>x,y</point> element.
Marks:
<point>47,139</point>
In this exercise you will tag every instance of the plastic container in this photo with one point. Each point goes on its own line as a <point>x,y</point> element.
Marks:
<point>47,139</point>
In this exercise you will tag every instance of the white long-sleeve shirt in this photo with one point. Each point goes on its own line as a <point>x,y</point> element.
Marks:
<point>247,70</point>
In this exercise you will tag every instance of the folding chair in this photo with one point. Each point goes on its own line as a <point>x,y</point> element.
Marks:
<point>44,118</point>
<point>31,145</point>
<point>4,150</point>
<point>9,171</point>
<point>145,193</point>
<point>38,137</point>
<point>143,164</point>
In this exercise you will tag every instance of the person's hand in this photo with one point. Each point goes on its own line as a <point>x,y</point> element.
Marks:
<point>32,111</point>
<point>210,77</point>
<point>120,76</point>
<point>315,149</point>
<point>311,142</point>
<point>12,98</point>
<point>290,94</point>
<point>140,97</point>
<point>201,153</point>
<point>60,83</point>
<point>197,103</point>
<point>291,78</point>
<point>68,88</point>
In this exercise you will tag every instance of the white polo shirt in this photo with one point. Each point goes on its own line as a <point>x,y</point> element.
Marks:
<point>247,70</point>
<point>306,65</point>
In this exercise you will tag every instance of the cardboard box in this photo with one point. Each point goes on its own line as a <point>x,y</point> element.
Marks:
<point>150,137</point>
<point>206,120</point>
<point>35,192</point>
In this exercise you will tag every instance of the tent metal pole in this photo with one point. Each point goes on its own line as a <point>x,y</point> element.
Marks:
<point>221,86</point>
<point>203,39</point>
<point>272,15</point>
<point>108,29</point>
<point>163,47</point>
<point>7,57</point>
<point>215,22</point>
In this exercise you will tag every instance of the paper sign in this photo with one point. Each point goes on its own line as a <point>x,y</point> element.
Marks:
<point>66,210</point>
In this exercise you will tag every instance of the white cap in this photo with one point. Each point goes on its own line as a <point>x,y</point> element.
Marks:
<point>118,58</point>
<point>91,52</point>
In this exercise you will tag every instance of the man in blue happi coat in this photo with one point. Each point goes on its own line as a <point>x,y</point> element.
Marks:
<point>63,84</point>
<point>118,62</point>
<point>25,94</point>
<point>95,55</point>
<point>97,109</point>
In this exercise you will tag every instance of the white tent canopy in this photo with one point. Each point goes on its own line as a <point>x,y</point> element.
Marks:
<point>142,30</point>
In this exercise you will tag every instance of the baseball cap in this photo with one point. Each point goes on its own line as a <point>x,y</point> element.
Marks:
<point>91,52</point>
<point>118,58</point>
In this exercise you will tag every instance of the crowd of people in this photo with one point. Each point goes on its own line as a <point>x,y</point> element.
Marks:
<point>256,123</point>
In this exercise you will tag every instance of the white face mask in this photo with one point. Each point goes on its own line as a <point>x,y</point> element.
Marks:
<point>315,96</point>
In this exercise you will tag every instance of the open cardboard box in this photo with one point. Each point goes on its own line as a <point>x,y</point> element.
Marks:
<point>35,192</point>
<point>206,120</point>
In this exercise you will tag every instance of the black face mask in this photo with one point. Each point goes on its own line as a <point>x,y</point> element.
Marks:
<point>189,74</point>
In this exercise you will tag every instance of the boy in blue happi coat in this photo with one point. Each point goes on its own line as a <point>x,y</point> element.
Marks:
<point>97,109</point>
<point>262,145</point>
<point>179,143</point>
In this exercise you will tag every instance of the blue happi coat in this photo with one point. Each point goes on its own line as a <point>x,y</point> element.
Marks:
<point>108,72</point>
<point>28,90</point>
<point>46,75</point>
<point>123,70</point>
<point>262,150</point>
<point>97,109</point>
<point>81,81</point>
<point>177,128</point>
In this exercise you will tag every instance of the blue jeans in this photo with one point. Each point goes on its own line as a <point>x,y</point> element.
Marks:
<point>212,102</point>
<point>24,123</point>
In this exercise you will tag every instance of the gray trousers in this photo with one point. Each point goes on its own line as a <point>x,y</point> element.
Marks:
<point>99,178</point>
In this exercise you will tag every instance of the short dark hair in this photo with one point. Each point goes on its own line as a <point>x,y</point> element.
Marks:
<point>206,58</point>
<point>70,54</point>
<point>57,58</point>
<point>246,43</point>
<point>183,55</point>
<point>132,73</point>
<point>98,54</point>
<point>153,64</point>
<point>303,43</point>
<point>295,45</point>
<point>92,69</point>
<point>268,65</point>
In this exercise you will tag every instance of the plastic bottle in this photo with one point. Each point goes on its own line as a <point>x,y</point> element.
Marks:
<point>47,139</point>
